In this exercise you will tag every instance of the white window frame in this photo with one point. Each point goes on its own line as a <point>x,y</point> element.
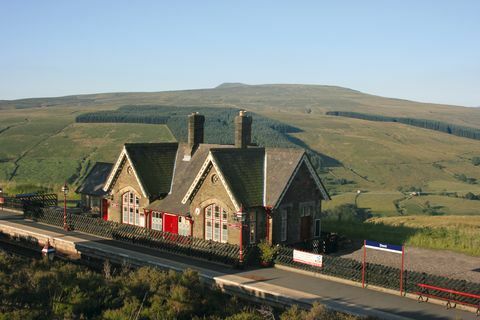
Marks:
<point>307,209</point>
<point>157,221</point>
<point>131,210</point>
<point>253,226</point>
<point>216,224</point>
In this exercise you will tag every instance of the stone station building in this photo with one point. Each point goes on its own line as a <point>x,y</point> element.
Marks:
<point>205,190</point>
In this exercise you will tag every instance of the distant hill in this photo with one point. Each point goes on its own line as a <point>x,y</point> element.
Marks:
<point>291,97</point>
<point>40,143</point>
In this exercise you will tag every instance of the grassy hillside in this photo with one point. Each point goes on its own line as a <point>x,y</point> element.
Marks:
<point>378,158</point>
<point>44,147</point>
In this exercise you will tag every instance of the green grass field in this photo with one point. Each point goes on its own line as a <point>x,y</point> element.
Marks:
<point>456,233</point>
<point>41,146</point>
<point>46,148</point>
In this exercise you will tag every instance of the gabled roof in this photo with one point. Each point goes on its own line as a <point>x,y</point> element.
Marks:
<point>287,177</point>
<point>242,170</point>
<point>185,172</point>
<point>280,166</point>
<point>95,179</point>
<point>255,176</point>
<point>153,165</point>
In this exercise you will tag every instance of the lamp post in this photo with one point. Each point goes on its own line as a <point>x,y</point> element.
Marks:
<point>240,218</point>
<point>65,192</point>
<point>2,199</point>
<point>356,197</point>
<point>48,251</point>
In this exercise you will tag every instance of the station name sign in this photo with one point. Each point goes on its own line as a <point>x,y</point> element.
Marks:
<point>312,259</point>
<point>383,246</point>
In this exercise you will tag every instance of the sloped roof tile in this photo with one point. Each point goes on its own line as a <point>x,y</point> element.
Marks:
<point>154,164</point>
<point>95,179</point>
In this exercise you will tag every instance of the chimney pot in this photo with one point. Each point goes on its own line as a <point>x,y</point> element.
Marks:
<point>196,123</point>
<point>243,129</point>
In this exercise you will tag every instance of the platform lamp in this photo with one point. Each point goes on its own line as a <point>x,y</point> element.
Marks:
<point>356,197</point>
<point>48,251</point>
<point>65,192</point>
<point>2,200</point>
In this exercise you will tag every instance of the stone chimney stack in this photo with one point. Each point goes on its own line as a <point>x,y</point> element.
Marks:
<point>196,123</point>
<point>243,130</point>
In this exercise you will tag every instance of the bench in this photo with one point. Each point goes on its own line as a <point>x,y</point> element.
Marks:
<point>453,296</point>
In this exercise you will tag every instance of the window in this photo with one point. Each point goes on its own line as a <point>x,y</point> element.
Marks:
<point>306,211</point>
<point>317,227</point>
<point>184,227</point>
<point>253,226</point>
<point>216,226</point>
<point>131,210</point>
<point>283,223</point>
<point>157,222</point>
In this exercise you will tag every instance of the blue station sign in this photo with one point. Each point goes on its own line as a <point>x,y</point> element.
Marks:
<point>383,246</point>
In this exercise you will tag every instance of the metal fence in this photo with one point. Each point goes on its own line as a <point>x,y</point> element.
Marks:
<point>205,249</point>
<point>380,275</point>
<point>21,201</point>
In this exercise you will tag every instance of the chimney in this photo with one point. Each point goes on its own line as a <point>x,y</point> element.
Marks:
<point>243,130</point>
<point>195,134</point>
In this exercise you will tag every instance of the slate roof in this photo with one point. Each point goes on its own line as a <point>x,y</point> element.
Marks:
<point>154,164</point>
<point>95,179</point>
<point>281,163</point>
<point>256,176</point>
<point>243,172</point>
<point>185,172</point>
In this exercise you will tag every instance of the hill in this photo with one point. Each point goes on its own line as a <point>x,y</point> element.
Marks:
<point>40,141</point>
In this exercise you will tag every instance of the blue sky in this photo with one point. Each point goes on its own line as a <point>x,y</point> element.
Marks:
<point>418,50</point>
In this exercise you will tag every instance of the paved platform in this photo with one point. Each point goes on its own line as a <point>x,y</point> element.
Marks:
<point>274,285</point>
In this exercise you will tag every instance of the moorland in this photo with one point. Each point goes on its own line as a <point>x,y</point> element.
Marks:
<point>390,170</point>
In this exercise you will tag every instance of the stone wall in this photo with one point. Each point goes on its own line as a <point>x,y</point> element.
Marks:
<point>125,182</point>
<point>212,191</point>
<point>301,192</point>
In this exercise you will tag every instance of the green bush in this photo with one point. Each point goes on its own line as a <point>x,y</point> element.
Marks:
<point>348,212</point>
<point>267,252</point>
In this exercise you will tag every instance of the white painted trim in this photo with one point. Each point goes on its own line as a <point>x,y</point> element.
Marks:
<point>136,175</point>
<point>314,175</point>
<point>265,179</point>
<point>319,183</point>
<point>197,179</point>
<point>106,187</point>
<point>173,173</point>
<point>115,169</point>
<point>202,171</point>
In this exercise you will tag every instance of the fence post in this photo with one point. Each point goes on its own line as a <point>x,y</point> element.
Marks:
<point>363,262</point>
<point>401,270</point>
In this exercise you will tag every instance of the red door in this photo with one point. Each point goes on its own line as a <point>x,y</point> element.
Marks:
<point>170,223</point>
<point>105,209</point>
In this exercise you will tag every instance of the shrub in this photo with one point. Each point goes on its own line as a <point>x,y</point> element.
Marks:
<point>267,252</point>
<point>476,161</point>
<point>348,212</point>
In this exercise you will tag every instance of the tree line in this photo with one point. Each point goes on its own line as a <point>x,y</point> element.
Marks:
<point>456,130</point>
<point>219,125</point>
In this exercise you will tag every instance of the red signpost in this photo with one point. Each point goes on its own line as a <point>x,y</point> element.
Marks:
<point>382,247</point>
